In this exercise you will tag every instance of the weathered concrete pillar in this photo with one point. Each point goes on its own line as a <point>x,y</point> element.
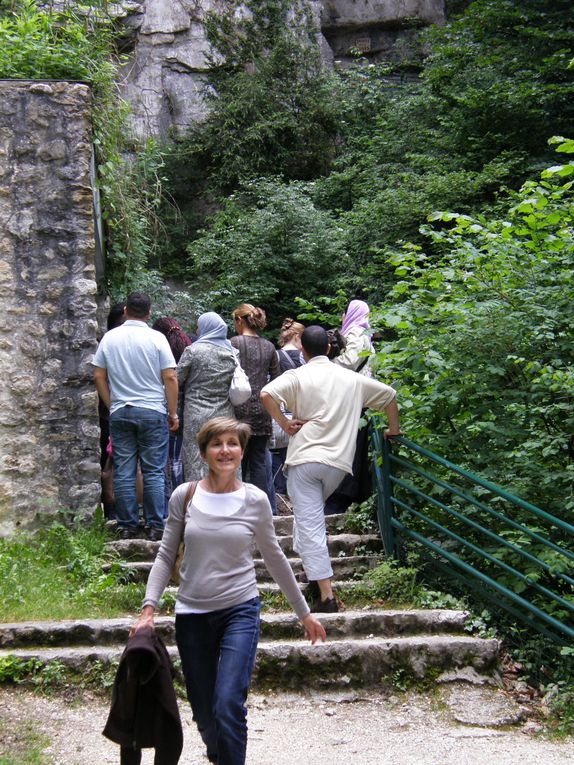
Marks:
<point>48,407</point>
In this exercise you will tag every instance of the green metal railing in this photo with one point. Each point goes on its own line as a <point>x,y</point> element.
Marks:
<point>509,551</point>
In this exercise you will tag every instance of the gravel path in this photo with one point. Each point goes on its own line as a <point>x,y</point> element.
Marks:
<point>289,729</point>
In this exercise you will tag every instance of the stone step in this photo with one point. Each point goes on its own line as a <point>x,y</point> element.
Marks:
<point>364,648</point>
<point>344,567</point>
<point>335,524</point>
<point>370,661</point>
<point>272,588</point>
<point>281,626</point>
<point>339,544</point>
<point>293,664</point>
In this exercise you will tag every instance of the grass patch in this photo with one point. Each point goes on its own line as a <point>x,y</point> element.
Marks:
<point>21,744</point>
<point>57,572</point>
<point>389,585</point>
<point>47,678</point>
<point>273,602</point>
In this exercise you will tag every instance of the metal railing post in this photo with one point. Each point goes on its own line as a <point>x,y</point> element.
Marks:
<point>385,509</point>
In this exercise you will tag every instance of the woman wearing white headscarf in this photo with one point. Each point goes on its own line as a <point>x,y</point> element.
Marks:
<point>204,371</point>
<point>356,329</point>
<point>357,332</point>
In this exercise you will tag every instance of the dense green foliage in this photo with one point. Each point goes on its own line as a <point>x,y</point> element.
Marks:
<point>482,356</point>
<point>271,107</point>
<point>380,154</point>
<point>273,112</point>
<point>493,90</point>
<point>57,46</point>
<point>482,353</point>
<point>269,244</point>
<point>501,75</point>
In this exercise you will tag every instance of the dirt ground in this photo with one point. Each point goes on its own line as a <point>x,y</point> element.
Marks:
<point>457,728</point>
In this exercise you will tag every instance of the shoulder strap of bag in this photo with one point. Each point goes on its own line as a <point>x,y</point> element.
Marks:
<point>288,357</point>
<point>181,547</point>
<point>190,492</point>
<point>362,364</point>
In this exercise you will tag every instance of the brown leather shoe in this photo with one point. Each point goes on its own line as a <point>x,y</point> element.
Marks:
<point>329,606</point>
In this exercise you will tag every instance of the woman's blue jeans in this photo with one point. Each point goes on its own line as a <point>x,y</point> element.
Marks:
<point>217,653</point>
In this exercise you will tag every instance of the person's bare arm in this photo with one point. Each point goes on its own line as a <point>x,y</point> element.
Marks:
<point>102,385</point>
<point>272,406</point>
<point>169,377</point>
<point>392,412</point>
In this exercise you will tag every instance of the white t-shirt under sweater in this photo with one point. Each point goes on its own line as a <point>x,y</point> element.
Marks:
<point>330,399</point>
<point>217,570</point>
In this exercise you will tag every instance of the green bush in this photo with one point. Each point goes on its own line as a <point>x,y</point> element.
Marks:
<point>268,245</point>
<point>271,108</point>
<point>43,44</point>
<point>58,572</point>
<point>481,353</point>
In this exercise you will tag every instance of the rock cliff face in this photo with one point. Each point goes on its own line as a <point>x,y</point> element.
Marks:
<point>166,48</point>
<point>48,417</point>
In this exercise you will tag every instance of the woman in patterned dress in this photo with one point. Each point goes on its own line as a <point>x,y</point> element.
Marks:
<point>204,371</point>
<point>259,360</point>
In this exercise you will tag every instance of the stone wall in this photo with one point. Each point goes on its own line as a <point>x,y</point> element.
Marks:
<point>49,437</point>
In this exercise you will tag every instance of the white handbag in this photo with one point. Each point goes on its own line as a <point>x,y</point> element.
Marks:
<point>240,388</point>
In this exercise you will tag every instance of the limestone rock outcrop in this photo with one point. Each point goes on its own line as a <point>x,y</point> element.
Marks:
<point>165,44</point>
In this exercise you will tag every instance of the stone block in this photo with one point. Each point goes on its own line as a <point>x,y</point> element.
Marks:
<point>21,384</point>
<point>41,87</point>
<point>54,150</point>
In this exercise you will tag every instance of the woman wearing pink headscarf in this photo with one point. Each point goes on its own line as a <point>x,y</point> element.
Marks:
<point>357,332</point>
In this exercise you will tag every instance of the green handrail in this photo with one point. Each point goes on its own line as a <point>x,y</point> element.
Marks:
<point>469,539</point>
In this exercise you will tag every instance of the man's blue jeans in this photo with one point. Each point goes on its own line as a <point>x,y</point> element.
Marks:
<point>217,653</point>
<point>143,434</point>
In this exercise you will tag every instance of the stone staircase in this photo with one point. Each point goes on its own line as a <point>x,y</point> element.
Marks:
<point>365,648</point>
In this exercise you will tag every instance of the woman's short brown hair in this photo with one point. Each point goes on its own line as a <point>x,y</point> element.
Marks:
<point>220,425</point>
<point>254,317</point>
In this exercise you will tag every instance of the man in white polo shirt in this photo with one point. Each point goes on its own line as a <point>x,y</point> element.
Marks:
<point>326,401</point>
<point>134,375</point>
